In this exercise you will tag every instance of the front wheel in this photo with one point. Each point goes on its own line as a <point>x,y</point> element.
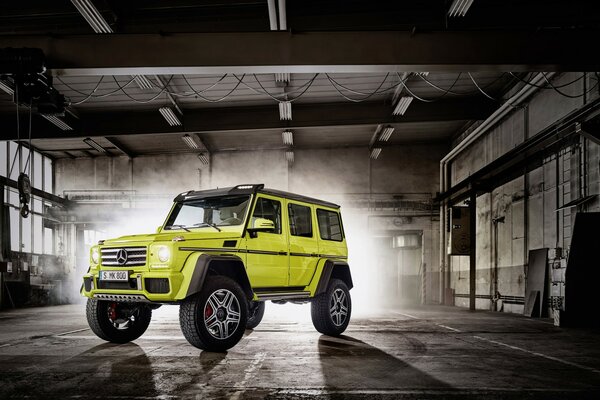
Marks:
<point>117,322</point>
<point>215,318</point>
<point>256,311</point>
<point>330,311</point>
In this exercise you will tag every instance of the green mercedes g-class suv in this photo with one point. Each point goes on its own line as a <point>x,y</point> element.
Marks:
<point>220,255</point>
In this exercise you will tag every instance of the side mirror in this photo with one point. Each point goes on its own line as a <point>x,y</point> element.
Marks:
<point>158,229</point>
<point>260,225</point>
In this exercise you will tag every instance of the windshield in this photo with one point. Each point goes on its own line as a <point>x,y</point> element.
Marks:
<point>212,211</point>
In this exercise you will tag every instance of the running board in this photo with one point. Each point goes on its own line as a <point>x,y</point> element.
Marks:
<point>282,296</point>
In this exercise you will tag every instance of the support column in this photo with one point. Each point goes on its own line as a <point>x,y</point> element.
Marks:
<point>472,252</point>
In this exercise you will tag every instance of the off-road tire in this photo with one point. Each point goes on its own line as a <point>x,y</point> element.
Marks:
<point>256,311</point>
<point>99,322</point>
<point>320,309</point>
<point>192,311</point>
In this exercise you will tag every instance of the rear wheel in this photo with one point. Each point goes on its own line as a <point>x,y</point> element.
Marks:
<point>330,311</point>
<point>118,322</point>
<point>214,319</point>
<point>256,311</point>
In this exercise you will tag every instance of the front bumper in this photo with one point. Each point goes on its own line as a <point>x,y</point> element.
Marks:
<point>143,286</point>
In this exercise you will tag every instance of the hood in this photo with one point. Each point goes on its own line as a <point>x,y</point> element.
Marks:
<point>144,239</point>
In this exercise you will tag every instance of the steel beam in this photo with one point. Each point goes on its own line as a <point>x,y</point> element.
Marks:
<point>115,123</point>
<point>310,52</point>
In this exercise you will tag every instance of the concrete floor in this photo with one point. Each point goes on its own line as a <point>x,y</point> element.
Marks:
<point>431,352</point>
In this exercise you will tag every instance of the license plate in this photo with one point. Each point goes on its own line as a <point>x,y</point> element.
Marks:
<point>114,275</point>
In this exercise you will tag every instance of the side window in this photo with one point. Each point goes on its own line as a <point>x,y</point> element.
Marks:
<point>330,226</point>
<point>269,209</point>
<point>300,220</point>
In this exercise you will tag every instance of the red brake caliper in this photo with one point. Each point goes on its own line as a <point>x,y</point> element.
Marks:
<point>208,311</point>
<point>112,311</point>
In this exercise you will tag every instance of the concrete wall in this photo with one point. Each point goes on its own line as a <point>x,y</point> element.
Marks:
<point>528,204</point>
<point>341,175</point>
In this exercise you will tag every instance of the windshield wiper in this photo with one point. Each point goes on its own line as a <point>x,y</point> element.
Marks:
<point>178,226</point>
<point>211,224</point>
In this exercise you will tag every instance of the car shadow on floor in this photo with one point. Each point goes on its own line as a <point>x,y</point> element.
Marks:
<point>351,364</point>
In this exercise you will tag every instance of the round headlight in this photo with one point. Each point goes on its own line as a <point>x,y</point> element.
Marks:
<point>164,253</point>
<point>95,256</point>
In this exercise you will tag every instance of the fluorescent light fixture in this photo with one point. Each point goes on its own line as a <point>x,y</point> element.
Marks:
<point>94,145</point>
<point>58,122</point>
<point>143,82</point>
<point>459,8</point>
<point>285,111</point>
<point>5,87</point>
<point>272,15</point>
<point>375,152</point>
<point>170,116</point>
<point>288,138</point>
<point>402,105</point>
<point>204,158</point>
<point>421,73</point>
<point>282,77</point>
<point>282,15</point>
<point>386,133</point>
<point>289,156</point>
<point>189,140</point>
<point>92,16</point>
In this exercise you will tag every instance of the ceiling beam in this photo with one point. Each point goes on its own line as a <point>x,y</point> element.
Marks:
<point>116,123</point>
<point>310,52</point>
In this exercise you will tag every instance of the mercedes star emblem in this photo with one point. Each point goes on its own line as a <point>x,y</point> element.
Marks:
<point>122,256</point>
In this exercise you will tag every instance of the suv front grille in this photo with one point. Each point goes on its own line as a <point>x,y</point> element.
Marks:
<point>123,256</point>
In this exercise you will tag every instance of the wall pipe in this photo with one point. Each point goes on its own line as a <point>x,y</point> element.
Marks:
<point>486,125</point>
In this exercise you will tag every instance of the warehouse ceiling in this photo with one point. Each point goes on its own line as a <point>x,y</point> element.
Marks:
<point>229,80</point>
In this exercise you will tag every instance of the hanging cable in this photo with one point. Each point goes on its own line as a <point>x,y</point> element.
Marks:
<point>423,99</point>
<point>96,88</point>
<point>480,89</point>
<point>433,85</point>
<point>334,82</point>
<point>221,98</point>
<point>364,98</point>
<point>302,89</point>
<point>163,90</point>
<point>565,94</point>
<point>90,95</point>
<point>29,154</point>
<point>528,82</point>
<point>194,91</point>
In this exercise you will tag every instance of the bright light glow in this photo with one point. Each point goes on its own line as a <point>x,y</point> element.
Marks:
<point>288,138</point>
<point>95,256</point>
<point>386,133</point>
<point>92,16</point>
<point>5,87</point>
<point>402,105</point>
<point>58,122</point>
<point>285,111</point>
<point>289,156</point>
<point>459,8</point>
<point>143,82</point>
<point>170,116</point>
<point>190,142</point>
<point>375,151</point>
<point>164,253</point>
<point>94,145</point>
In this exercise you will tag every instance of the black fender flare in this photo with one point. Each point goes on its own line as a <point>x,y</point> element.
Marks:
<point>334,269</point>
<point>219,264</point>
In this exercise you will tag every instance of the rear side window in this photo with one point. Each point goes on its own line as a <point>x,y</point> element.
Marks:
<point>330,226</point>
<point>269,209</point>
<point>300,220</point>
